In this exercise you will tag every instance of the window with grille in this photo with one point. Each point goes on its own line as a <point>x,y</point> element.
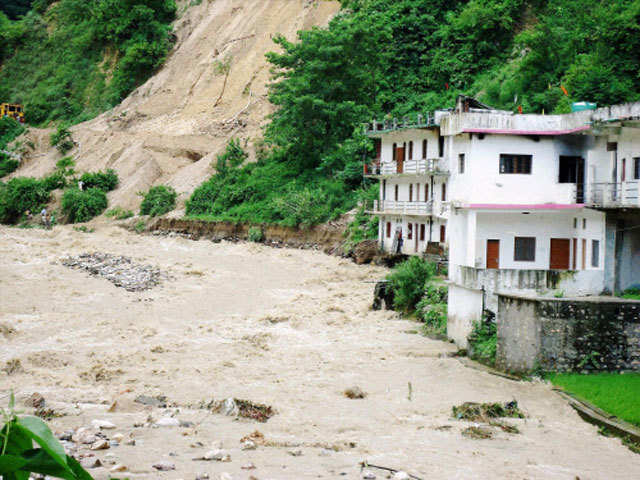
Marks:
<point>524,249</point>
<point>636,168</point>
<point>461,163</point>
<point>515,163</point>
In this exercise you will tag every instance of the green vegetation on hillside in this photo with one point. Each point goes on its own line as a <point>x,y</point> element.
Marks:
<point>71,59</point>
<point>398,57</point>
<point>618,394</point>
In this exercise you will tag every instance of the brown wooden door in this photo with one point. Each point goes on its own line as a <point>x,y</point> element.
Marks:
<point>400,159</point>
<point>493,254</point>
<point>584,254</point>
<point>560,253</point>
<point>575,253</point>
<point>443,233</point>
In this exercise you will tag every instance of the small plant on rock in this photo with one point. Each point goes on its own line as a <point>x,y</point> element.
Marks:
<point>255,234</point>
<point>61,139</point>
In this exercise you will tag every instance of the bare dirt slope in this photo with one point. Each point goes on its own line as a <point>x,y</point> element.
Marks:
<point>168,130</point>
<point>287,328</point>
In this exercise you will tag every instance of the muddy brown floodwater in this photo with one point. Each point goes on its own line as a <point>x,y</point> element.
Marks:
<point>291,329</point>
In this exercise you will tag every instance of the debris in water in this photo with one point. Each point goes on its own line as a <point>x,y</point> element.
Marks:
<point>159,401</point>
<point>482,412</point>
<point>119,270</point>
<point>244,408</point>
<point>477,433</point>
<point>505,427</point>
<point>13,366</point>
<point>354,393</point>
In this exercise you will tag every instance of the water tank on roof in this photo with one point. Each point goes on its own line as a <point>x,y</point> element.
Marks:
<point>582,106</point>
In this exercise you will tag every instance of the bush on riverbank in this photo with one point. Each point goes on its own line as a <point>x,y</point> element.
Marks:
<point>158,201</point>
<point>409,281</point>
<point>83,205</point>
<point>19,195</point>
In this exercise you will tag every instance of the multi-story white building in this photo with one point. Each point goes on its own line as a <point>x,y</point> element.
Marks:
<point>534,204</point>
<point>414,204</point>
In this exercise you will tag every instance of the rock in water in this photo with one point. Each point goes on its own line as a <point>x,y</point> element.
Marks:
<point>368,475</point>
<point>91,462</point>
<point>401,476</point>
<point>102,424</point>
<point>168,422</point>
<point>100,445</point>
<point>164,466</point>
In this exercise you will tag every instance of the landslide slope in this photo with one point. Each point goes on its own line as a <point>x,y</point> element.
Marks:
<point>170,129</point>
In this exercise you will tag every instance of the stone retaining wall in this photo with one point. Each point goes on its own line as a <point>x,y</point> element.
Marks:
<point>591,333</point>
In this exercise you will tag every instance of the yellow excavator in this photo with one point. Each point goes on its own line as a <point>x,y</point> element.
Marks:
<point>13,110</point>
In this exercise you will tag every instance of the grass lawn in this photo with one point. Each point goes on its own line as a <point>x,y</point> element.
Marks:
<point>612,392</point>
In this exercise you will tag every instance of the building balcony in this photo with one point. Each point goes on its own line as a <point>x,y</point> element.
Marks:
<point>391,207</point>
<point>431,166</point>
<point>614,195</point>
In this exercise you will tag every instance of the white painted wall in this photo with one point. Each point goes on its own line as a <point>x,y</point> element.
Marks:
<point>544,226</point>
<point>482,181</point>
<point>405,136</point>
<point>464,308</point>
<point>432,232</point>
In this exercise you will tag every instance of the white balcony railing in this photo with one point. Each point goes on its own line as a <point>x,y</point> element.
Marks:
<point>423,166</point>
<point>391,207</point>
<point>620,194</point>
<point>402,208</point>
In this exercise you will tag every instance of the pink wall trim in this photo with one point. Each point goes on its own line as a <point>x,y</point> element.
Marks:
<point>526,132</point>
<point>516,206</point>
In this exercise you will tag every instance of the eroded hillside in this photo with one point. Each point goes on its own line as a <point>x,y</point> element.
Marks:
<point>170,129</point>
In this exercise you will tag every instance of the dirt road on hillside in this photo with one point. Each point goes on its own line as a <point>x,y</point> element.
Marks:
<point>291,329</point>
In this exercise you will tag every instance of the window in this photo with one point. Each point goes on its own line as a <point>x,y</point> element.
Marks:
<point>388,229</point>
<point>624,169</point>
<point>426,192</point>
<point>524,249</point>
<point>441,146</point>
<point>443,233</point>
<point>636,168</point>
<point>570,170</point>
<point>461,163</point>
<point>417,192</point>
<point>612,146</point>
<point>575,223</point>
<point>384,190</point>
<point>422,231</point>
<point>424,149</point>
<point>515,163</point>
<point>396,193</point>
<point>410,231</point>
<point>444,192</point>
<point>410,150</point>
<point>584,223</point>
<point>595,253</point>
<point>411,192</point>
<point>378,145</point>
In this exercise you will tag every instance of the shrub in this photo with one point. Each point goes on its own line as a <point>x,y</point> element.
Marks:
<point>7,164</point>
<point>19,195</point>
<point>55,181</point>
<point>256,234</point>
<point>483,341</point>
<point>61,139</point>
<point>64,163</point>
<point>434,316</point>
<point>9,131</point>
<point>82,206</point>
<point>119,213</point>
<point>158,201</point>
<point>105,181</point>
<point>408,281</point>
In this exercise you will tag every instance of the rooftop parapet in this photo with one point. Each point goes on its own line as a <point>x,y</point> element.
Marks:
<point>420,120</point>
<point>509,123</point>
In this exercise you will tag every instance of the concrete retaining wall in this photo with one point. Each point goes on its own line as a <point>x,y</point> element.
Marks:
<point>599,333</point>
